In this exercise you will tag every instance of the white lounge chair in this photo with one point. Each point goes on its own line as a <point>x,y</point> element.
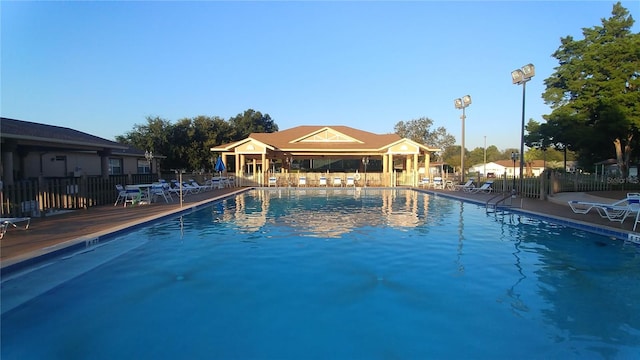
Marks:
<point>485,188</point>
<point>337,181</point>
<point>584,207</point>
<point>6,222</point>
<point>302,181</point>
<point>424,182</point>
<point>273,181</point>
<point>437,183</point>
<point>617,211</point>
<point>177,188</point>
<point>204,187</point>
<point>322,181</point>
<point>351,181</point>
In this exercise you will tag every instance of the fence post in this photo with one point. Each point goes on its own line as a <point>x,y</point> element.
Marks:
<point>40,197</point>
<point>553,186</point>
<point>543,188</point>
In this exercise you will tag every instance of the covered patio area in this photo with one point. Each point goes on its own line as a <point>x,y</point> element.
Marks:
<point>314,152</point>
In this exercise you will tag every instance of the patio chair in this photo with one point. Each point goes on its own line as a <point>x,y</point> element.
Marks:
<point>6,222</point>
<point>337,181</point>
<point>134,196</point>
<point>485,188</point>
<point>159,190</point>
<point>273,181</point>
<point>122,194</point>
<point>322,181</point>
<point>424,182</point>
<point>302,181</point>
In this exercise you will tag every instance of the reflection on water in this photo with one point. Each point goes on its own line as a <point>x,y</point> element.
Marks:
<point>327,212</point>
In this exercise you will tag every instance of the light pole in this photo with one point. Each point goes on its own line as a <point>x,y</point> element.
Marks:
<point>289,160</point>
<point>484,172</point>
<point>365,162</point>
<point>520,77</point>
<point>149,156</point>
<point>462,103</point>
<point>514,156</point>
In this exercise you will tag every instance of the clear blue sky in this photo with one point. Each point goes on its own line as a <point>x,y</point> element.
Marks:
<point>101,67</point>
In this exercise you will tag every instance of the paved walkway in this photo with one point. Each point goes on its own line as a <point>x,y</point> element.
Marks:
<point>49,234</point>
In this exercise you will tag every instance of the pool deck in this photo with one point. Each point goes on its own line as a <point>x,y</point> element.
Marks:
<point>53,233</point>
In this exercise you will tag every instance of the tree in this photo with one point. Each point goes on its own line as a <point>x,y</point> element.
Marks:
<point>419,130</point>
<point>251,121</point>
<point>594,93</point>
<point>476,156</point>
<point>186,143</point>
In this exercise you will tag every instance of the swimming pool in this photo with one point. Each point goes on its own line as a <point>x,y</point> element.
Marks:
<point>340,274</point>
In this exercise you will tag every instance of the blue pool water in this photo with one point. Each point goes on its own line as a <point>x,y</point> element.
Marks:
<point>323,274</point>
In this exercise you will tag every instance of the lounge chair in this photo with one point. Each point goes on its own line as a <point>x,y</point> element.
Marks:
<point>273,181</point>
<point>302,181</point>
<point>322,181</point>
<point>204,187</point>
<point>617,211</point>
<point>425,182</point>
<point>351,181</point>
<point>437,183</point>
<point>584,207</point>
<point>6,222</point>
<point>337,181</point>
<point>485,188</point>
<point>186,190</point>
<point>465,187</point>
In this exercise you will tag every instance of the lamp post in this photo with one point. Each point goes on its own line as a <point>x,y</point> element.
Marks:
<point>365,162</point>
<point>514,156</point>
<point>289,160</point>
<point>484,171</point>
<point>462,103</point>
<point>520,77</point>
<point>149,156</point>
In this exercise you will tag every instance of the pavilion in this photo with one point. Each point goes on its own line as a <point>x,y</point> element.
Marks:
<point>310,151</point>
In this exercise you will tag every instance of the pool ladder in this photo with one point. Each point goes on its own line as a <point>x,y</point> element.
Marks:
<point>491,206</point>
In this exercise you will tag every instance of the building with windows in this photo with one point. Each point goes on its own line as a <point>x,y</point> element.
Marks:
<point>30,150</point>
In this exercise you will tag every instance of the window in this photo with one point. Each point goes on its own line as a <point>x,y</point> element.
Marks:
<point>115,166</point>
<point>143,167</point>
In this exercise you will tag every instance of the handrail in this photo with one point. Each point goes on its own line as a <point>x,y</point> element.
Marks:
<point>495,205</point>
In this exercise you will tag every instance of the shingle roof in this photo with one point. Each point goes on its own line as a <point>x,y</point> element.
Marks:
<point>25,130</point>
<point>290,139</point>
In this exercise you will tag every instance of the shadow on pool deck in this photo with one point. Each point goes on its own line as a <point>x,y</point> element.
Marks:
<point>53,233</point>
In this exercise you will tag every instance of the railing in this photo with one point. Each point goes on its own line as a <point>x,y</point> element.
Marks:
<point>37,197</point>
<point>312,178</point>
